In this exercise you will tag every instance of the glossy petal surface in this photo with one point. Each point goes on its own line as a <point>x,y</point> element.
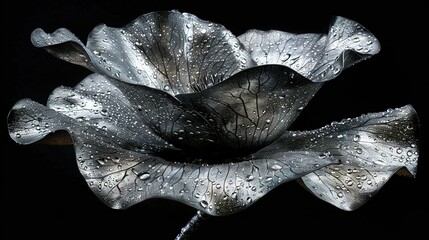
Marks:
<point>171,51</point>
<point>319,57</point>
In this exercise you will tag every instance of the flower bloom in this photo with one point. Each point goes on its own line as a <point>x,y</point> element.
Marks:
<point>180,108</point>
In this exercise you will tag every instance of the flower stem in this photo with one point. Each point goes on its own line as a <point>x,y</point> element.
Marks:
<point>191,226</point>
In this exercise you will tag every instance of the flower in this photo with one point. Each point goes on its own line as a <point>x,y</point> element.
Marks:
<point>180,108</point>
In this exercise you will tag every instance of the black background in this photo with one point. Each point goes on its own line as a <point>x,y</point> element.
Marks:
<point>45,196</point>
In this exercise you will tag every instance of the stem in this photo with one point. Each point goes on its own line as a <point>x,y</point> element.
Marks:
<point>191,226</point>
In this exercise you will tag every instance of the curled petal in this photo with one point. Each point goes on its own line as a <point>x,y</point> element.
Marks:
<point>371,148</point>
<point>319,57</point>
<point>122,176</point>
<point>64,45</point>
<point>171,51</point>
<point>254,107</point>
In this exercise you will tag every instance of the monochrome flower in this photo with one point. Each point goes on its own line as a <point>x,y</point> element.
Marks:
<point>180,108</point>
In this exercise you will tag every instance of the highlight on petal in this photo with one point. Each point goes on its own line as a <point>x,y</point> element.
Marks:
<point>171,51</point>
<point>254,107</point>
<point>122,154</point>
<point>371,148</point>
<point>64,45</point>
<point>319,57</point>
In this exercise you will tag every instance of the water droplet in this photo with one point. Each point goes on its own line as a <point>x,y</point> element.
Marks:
<point>249,178</point>
<point>275,167</point>
<point>18,135</point>
<point>249,199</point>
<point>409,153</point>
<point>358,150</point>
<point>398,151</point>
<point>336,70</point>
<point>267,121</point>
<point>234,195</point>
<point>413,145</point>
<point>254,188</point>
<point>218,186</point>
<point>369,182</point>
<point>268,179</point>
<point>349,183</point>
<point>356,138</point>
<point>340,194</point>
<point>204,203</point>
<point>144,176</point>
<point>166,88</point>
<point>356,39</point>
<point>285,57</point>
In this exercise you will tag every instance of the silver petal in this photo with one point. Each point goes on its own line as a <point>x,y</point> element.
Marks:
<point>171,51</point>
<point>371,148</point>
<point>319,57</point>
<point>254,107</point>
<point>122,175</point>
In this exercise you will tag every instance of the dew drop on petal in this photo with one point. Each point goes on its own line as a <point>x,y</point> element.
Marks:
<point>204,203</point>
<point>285,57</point>
<point>356,138</point>
<point>358,150</point>
<point>275,167</point>
<point>249,178</point>
<point>144,176</point>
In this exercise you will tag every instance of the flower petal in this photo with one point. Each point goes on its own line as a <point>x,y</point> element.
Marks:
<point>122,175</point>
<point>371,149</point>
<point>254,107</point>
<point>64,45</point>
<point>319,57</point>
<point>171,51</point>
